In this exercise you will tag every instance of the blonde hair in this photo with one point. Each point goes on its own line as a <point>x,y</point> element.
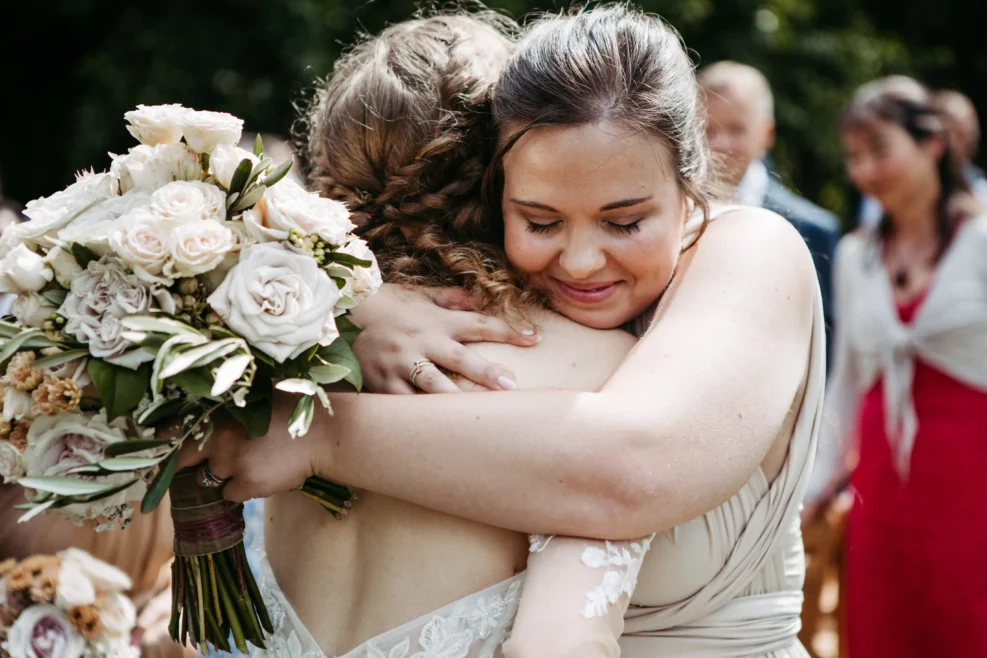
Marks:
<point>402,132</point>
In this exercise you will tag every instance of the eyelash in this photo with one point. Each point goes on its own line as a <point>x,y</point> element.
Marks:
<point>627,229</point>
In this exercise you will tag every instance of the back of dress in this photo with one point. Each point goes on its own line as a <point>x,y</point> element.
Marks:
<point>729,583</point>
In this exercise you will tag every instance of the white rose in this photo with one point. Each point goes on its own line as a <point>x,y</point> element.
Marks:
<point>156,124</point>
<point>17,404</point>
<point>74,587</point>
<point>43,631</point>
<point>23,271</point>
<point>224,160</point>
<point>198,247</point>
<point>204,131</point>
<point>155,166</point>
<point>366,280</point>
<point>287,206</point>
<point>63,263</point>
<point>279,301</point>
<point>12,465</point>
<point>118,615</point>
<point>49,215</point>
<point>107,578</point>
<point>93,227</point>
<point>140,238</point>
<point>100,297</point>
<point>57,444</point>
<point>32,309</point>
<point>190,201</point>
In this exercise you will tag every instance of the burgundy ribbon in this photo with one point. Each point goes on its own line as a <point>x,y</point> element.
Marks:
<point>211,528</point>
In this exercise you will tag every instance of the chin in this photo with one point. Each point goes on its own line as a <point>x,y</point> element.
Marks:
<point>602,318</point>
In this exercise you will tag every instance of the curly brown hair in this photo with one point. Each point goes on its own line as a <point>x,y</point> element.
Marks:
<point>402,133</point>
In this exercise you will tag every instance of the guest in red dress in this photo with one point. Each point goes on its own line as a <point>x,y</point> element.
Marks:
<point>910,386</point>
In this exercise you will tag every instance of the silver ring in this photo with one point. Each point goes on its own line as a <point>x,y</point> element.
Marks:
<point>417,369</point>
<point>208,479</point>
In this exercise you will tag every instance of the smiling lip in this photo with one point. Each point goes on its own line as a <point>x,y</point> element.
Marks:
<point>588,293</point>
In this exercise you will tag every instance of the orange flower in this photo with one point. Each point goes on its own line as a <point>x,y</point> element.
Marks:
<point>38,563</point>
<point>45,584</point>
<point>21,374</point>
<point>86,620</point>
<point>56,396</point>
<point>18,579</point>
<point>18,436</point>
<point>7,566</point>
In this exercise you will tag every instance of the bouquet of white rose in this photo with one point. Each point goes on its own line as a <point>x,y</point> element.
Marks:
<point>192,277</point>
<point>69,605</point>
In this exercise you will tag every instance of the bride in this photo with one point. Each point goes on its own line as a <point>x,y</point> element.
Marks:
<point>701,439</point>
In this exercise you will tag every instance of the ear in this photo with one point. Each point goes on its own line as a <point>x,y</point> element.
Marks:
<point>935,146</point>
<point>769,135</point>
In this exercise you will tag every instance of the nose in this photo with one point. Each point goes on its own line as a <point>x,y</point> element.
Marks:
<point>583,255</point>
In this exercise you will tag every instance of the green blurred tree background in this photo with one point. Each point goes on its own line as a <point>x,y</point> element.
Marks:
<point>73,68</point>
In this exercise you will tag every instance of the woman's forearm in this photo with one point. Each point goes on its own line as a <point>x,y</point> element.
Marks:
<point>479,459</point>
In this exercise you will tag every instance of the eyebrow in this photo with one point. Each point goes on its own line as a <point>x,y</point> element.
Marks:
<point>624,203</point>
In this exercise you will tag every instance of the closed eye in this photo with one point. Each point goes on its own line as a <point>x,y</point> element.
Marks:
<point>535,227</point>
<point>632,227</point>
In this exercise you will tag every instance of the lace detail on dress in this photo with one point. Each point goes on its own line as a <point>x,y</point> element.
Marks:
<point>538,543</point>
<point>473,627</point>
<point>481,620</point>
<point>622,561</point>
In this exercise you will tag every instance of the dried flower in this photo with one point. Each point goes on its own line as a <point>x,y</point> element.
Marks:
<point>21,374</point>
<point>18,579</point>
<point>18,436</point>
<point>5,426</point>
<point>85,619</point>
<point>56,396</point>
<point>35,564</point>
<point>45,584</point>
<point>6,566</point>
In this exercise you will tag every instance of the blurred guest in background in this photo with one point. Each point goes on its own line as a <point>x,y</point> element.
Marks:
<point>963,128</point>
<point>741,131</point>
<point>910,386</point>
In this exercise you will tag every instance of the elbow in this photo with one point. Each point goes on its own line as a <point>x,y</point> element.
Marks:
<point>631,491</point>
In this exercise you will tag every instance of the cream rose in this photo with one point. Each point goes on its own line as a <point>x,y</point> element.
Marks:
<point>51,214</point>
<point>100,297</point>
<point>366,281</point>
<point>93,227</point>
<point>118,614</point>
<point>204,131</point>
<point>12,465</point>
<point>155,166</point>
<point>32,309</point>
<point>57,444</point>
<point>140,238</point>
<point>287,206</point>
<point>107,578</point>
<point>224,160</point>
<point>156,124</point>
<point>279,301</point>
<point>189,201</point>
<point>23,271</point>
<point>43,631</point>
<point>198,247</point>
<point>74,587</point>
<point>64,265</point>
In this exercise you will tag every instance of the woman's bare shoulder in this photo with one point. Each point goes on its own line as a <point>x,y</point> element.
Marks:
<point>570,356</point>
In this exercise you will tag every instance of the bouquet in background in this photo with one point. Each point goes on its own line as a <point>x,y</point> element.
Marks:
<point>69,605</point>
<point>192,277</point>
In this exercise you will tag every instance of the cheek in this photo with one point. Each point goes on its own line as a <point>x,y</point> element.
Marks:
<point>527,252</point>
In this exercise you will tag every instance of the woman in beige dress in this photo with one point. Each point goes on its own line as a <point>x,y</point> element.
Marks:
<point>699,444</point>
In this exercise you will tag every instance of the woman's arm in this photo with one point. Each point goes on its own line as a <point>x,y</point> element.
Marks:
<point>678,429</point>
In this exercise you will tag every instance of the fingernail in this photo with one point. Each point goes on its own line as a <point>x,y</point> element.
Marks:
<point>506,383</point>
<point>528,332</point>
